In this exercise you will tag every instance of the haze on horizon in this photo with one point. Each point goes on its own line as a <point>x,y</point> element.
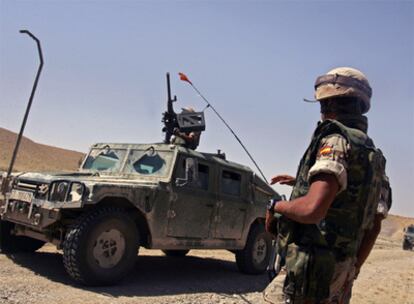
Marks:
<point>105,65</point>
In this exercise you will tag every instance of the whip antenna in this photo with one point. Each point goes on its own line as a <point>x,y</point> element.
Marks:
<point>183,77</point>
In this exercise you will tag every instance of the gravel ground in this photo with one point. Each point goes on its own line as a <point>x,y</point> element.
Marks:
<point>204,276</point>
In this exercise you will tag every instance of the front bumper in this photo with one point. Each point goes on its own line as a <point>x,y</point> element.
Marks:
<point>33,214</point>
<point>37,214</point>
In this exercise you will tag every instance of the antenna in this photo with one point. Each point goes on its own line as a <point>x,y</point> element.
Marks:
<point>183,77</point>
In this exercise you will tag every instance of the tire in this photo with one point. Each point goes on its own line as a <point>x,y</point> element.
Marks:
<point>101,247</point>
<point>406,245</point>
<point>176,253</point>
<point>10,243</point>
<point>254,258</point>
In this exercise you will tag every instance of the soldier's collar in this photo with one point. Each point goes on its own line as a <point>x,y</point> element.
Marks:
<point>359,122</point>
<point>352,121</point>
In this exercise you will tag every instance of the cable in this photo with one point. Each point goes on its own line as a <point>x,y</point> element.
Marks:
<point>183,77</point>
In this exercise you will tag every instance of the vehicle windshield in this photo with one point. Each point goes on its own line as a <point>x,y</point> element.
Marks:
<point>410,229</point>
<point>105,159</point>
<point>149,162</point>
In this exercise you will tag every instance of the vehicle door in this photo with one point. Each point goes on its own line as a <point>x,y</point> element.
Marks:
<point>192,206</point>
<point>233,204</point>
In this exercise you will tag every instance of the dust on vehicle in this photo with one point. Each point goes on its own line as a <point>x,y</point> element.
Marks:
<point>158,196</point>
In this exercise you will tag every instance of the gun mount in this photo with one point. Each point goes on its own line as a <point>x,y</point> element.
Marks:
<point>185,121</point>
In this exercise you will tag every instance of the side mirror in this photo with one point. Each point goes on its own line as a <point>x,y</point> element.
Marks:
<point>191,173</point>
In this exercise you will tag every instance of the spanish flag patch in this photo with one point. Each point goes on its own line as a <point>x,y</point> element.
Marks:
<point>325,151</point>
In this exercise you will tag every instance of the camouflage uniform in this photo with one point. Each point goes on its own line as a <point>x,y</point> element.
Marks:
<point>320,258</point>
<point>182,141</point>
<point>177,140</point>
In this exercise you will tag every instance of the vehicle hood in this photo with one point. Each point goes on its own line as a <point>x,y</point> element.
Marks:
<point>265,187</point>
<point>85,177</point>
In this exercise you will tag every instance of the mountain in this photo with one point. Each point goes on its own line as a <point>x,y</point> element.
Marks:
<point>36,157</point>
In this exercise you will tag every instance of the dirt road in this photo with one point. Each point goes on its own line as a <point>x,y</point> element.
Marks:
<point>388,276</point>
<point>202,277</point>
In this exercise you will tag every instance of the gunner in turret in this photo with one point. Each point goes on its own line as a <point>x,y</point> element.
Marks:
<point>189,140</point>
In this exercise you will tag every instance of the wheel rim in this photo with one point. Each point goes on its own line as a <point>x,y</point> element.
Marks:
<point>109,248</point>
<point>259,251</point>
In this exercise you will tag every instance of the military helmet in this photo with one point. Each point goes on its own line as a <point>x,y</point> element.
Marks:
<point>188,109</point>
<point>344,82</point>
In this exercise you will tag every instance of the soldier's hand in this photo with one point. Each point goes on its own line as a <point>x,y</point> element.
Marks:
<point>283,179</point>
<point>176,131</point>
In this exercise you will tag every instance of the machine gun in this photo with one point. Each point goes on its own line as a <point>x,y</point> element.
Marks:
<point>186,121</point>
<point>169,118</point>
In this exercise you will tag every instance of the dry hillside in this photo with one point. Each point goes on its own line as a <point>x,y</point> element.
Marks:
<point>393,225</point>
<point>36,157</point>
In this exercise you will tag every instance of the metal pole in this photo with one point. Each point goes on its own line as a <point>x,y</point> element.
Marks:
<point>19,138</point>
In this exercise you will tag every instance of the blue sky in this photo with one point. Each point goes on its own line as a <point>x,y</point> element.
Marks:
<point>105,65</point>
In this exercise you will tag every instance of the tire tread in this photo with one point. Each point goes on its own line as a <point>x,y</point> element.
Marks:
<point>71,248</point>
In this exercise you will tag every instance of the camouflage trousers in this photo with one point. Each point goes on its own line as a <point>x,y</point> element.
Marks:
<point>340,289</point>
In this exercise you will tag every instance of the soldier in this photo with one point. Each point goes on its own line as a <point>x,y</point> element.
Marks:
<point>189,140</point>
<point>340,195</point>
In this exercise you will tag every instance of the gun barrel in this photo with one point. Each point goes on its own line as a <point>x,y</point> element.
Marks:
<point>169,117</point>
<point>168,87</point>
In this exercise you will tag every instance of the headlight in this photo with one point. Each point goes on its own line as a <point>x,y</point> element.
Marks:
<point>62,188</point>
<point>65,191</point>
<point>76,192</point>
<point>58,191</point>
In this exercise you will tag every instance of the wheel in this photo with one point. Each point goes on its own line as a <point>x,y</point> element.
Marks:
<point>254,258</point>
<point>101,247</point>
<point>10,243</point>
<point>406,245</point>
<point>175,253</point>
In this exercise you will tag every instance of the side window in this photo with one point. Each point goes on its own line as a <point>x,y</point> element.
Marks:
<point>230,183</point>
<point>203,175</point>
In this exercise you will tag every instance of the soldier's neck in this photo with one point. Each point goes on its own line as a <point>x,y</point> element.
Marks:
<point>359,122</point>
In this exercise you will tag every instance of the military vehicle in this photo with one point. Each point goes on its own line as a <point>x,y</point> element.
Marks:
<point>158,196</point>
<point>124,196</point>
<point>408,240</point>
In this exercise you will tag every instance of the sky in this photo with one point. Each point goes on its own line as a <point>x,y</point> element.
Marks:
<point>105,65</point>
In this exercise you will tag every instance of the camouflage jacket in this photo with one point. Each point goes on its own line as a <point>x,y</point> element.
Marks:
<point>311,250</point>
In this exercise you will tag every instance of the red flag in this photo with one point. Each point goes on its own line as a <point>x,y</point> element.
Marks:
<point>183,77</point>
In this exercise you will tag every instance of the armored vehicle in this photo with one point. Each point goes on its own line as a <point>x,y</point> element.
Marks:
<point>408,241</point>
<point>124,196</point>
